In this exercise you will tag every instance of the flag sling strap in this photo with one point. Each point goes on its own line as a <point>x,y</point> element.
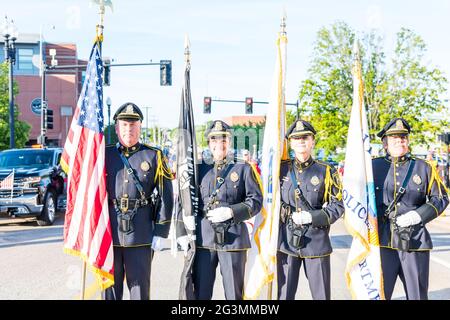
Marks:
<point>402,189</point>
<point>298,191</point>
<point>219,181</point>
<point>131,173</point>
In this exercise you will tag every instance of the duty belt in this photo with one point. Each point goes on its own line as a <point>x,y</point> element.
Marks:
<point>126,204</point>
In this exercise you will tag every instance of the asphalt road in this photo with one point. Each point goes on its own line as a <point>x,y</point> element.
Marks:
<point>33,265</point>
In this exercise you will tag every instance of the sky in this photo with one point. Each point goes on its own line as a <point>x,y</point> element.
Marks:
<point>233,46</point>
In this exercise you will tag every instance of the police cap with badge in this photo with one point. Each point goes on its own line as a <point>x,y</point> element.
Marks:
<point>128,111</point>
<point>300,128</point>
<point>397,127</point>
<point>218,128</point>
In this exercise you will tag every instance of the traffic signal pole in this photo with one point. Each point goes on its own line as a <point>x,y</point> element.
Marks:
<point>166,80</point>
<point>253,102</point>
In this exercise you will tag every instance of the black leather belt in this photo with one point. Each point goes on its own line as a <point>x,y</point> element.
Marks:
<point>126,204</point>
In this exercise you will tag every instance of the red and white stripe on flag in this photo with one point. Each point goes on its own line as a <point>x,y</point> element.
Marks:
<point>87,229</point>
<point>8,182</point>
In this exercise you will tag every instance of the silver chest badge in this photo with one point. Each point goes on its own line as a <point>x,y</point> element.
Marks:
<point>145,166</point>
<point>234,177</point>
<point>315,180</point>
<point>417,180</point>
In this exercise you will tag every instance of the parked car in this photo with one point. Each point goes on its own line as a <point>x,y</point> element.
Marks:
<point>39,188</point>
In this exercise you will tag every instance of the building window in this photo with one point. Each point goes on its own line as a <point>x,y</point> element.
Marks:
<point>25,59</point>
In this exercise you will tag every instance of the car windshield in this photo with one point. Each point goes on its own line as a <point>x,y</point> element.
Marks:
<point>28,158</point>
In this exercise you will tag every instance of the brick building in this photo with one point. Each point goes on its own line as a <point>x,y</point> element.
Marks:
<point>62,86</point>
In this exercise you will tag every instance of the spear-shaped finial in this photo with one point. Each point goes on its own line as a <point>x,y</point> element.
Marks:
<point>283,22</point>
<point>102,4</point>
<point>187,49</point>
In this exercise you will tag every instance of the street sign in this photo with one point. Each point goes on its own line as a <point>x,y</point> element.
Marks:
<point>36,106</point>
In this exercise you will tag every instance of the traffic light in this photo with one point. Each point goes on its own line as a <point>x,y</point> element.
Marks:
<point>207,105</point>
<point>106,72</point>
<point>165,72</point>
<point>48,119</point>
<point>248,105</point>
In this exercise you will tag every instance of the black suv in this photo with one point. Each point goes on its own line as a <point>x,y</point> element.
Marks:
<point>39,184</point>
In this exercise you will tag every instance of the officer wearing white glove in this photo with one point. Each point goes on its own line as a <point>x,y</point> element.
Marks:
<point>183,241</point>
<point>219,214</point>
<point>302,217</point>
<point>157,243</point>
<point>410,218</point>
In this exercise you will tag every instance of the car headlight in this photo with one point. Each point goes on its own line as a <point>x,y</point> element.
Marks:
<point>32,181</point>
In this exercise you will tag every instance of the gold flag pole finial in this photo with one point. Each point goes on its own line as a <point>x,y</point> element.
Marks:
<point>187,49</point>
<point>102,4</point>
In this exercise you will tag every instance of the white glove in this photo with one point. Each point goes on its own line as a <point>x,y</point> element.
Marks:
<point>183,241</point>
<point>189,222</point>
<point>157,243</point>
<point>302,217</point>
<point>220,214</point>
<point>410,218</point>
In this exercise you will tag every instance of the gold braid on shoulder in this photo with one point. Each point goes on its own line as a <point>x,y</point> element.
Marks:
<point>162,170</point>
<point>436,178</point>
<point>332,180</point>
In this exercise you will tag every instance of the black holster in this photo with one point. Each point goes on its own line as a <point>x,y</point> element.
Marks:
<point>402,235</point>
<point>220,231</point>
<point>125,222</point>
<point>297,239</point>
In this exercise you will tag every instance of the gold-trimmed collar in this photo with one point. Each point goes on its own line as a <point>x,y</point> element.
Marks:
<point>130,150</point>
<point>401,159</point>
<point>303,165</point>
<point>220,164</point>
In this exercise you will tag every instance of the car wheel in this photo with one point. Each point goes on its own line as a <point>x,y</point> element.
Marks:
<point>48,214</point>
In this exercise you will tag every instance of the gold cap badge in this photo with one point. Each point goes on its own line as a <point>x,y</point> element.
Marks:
<point>299,126</point>
<point>130,109</point>
<point>399,124</point>
<point>218,126</point>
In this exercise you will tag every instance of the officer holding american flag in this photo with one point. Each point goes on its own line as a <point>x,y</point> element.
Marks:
<point>140,196</point>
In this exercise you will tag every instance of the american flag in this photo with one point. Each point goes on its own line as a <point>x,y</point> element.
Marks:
<point>87,229</point>
<point>8,182</point>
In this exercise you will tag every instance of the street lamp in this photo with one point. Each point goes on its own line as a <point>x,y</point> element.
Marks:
<point>10,34</point>
<point>108,103</point>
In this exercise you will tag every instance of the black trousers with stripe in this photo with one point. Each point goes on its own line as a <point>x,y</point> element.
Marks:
<point>317,271</point>
<point>232,268</point>
<point>134,264</point>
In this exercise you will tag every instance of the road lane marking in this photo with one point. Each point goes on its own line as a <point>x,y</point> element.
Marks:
<point>440,261</point>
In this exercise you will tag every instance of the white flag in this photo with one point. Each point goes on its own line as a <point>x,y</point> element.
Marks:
<point>261,261</point>
<point>363,271</point>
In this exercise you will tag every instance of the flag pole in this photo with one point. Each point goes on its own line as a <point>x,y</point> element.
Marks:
<point>99,37</point>
<point>83,280</point>
<point>282,33</point>
<point>12,187</point>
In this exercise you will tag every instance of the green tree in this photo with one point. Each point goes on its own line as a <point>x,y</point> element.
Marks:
<point>21,128</point>
<point>408,88</point>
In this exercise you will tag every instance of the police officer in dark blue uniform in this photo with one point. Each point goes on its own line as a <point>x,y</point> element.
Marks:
<point>311,200</point>
<point>229,195</point>
<point>140,204</point>
<point>409,193</point>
